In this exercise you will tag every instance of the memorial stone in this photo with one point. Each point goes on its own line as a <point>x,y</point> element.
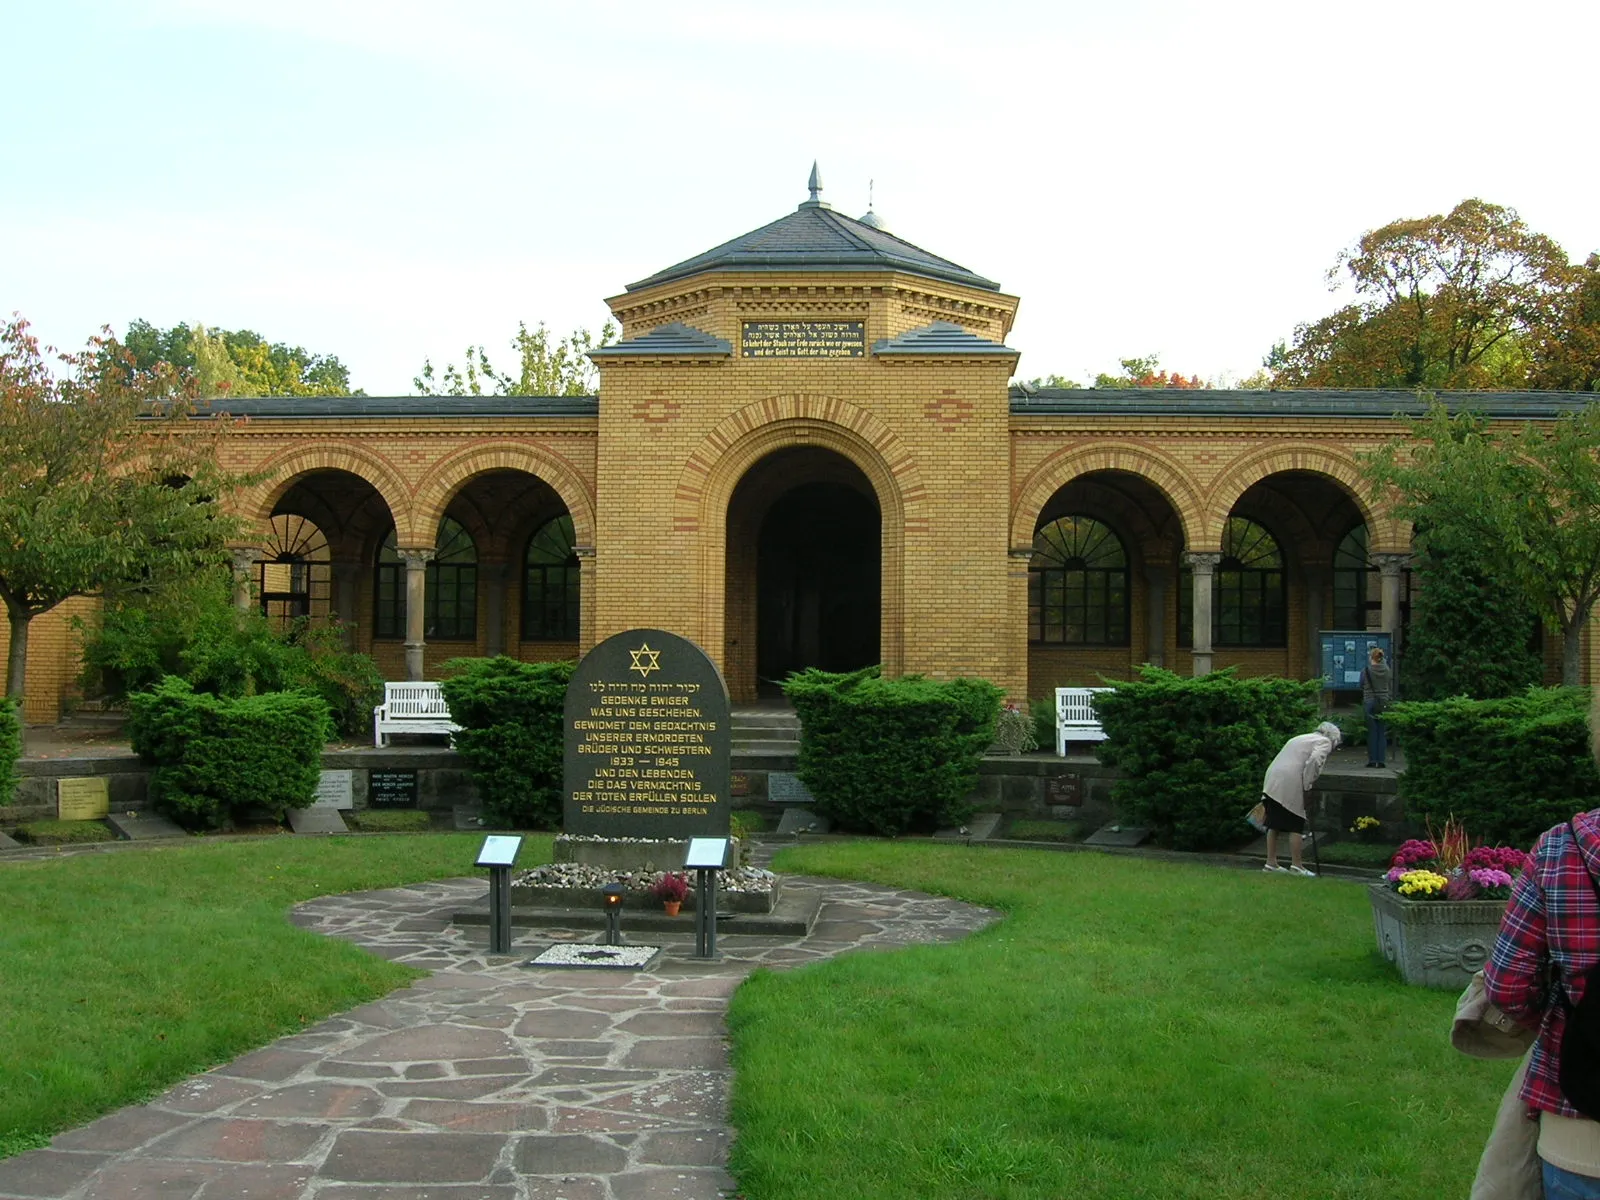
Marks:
<point>392,789</point>
<point>647,740</point>
<point>335,789</point>
<point>83,799</point>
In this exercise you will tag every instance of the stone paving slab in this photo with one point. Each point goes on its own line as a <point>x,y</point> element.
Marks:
<point>143,826</point>
<point>485,1080</point>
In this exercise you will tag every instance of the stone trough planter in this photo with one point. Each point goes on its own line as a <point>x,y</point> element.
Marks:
<point>1435,943</point>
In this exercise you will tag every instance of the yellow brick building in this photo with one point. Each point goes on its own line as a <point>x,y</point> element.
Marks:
<point>806,451</point>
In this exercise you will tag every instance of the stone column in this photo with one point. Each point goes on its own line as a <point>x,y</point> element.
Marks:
<point>1316,590</point>
<point>586,598</point>
<point>1389,578</point>
<point>1155,614</point>
<point>1018,560</point>
<point>1203,563</point>
<point>416,599</point>
<point>495,608</point>
<point>245,559</point>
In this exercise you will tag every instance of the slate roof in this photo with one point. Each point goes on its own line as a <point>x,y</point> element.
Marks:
<point>674,339</point>
<point>940,338</point>
<point>1374,403</point>
<point>815,238</point>
<point>314,407</point>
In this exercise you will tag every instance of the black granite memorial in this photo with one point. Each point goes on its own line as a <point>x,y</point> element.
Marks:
<point>647,741</point>
<point>392,789</point>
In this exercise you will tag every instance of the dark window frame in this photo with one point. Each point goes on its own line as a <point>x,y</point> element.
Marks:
<point>1079,591</point>
<point>551,583</point>
<point>1249,592</point>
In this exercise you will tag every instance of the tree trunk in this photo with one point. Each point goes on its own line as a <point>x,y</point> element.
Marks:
<point>1571,649</point>
<point>17,660</point>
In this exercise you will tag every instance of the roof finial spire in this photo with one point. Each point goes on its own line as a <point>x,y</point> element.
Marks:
<point>815,184</point>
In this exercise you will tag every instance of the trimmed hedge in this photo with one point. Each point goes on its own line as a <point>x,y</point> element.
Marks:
<point>512,724</point>
<point>217,757</point>
<point>1507,769</point>
<point>891,755</point>
<point>1191,752</point>
<point>10,747</point>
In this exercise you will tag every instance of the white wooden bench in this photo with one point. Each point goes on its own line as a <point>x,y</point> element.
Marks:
<point>411,708</point>
<point>1075,717</point>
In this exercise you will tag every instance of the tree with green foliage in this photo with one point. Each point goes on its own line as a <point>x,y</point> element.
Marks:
<point>105,487</point>
<point>1146,372</point>
<point>1566,354</point>
<point>1047,381</point>
<point>237,362</point>
<point>511,716</point>
<point>1518,501</point>
<point>1471,631</point>
<point>1455,300</point>
<point>546,366</point>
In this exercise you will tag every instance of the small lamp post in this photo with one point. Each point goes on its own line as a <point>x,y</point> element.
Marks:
<point>611,897</point>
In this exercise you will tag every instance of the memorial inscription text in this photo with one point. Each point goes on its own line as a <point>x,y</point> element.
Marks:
<point>803,339</point>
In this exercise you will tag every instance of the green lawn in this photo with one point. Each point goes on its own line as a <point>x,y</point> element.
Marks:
<point>1134,1029</point>
<point>121,974</point>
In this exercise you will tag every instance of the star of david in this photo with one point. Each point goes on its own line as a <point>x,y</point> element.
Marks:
<point>645,660</point>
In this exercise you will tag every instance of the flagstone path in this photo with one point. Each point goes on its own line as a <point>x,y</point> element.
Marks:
<point>486,1080</point>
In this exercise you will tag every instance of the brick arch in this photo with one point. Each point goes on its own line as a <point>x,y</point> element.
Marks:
<point>280,472</point>
<point>1061,468</point>
<point>446,477</point>
<point>706,484</point>
<point>1339,466</point>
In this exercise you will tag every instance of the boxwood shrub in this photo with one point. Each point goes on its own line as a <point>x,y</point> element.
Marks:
<point>217,757</point>
<point>511,718</point>
<point>891,755</point>
<point>1508,769</point>
<point>1191,752</point>
<point>10,747</point>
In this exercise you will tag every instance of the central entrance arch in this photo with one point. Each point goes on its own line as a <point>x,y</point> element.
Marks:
<point>805,567</point>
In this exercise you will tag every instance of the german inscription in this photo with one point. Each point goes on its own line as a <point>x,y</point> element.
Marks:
<point>803,339</point>
<point>82,799</point>
<point>647,740</point>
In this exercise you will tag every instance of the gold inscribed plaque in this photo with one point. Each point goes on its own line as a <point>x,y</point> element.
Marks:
<point>82,799</point>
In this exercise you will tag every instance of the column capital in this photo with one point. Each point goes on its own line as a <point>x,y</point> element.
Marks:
<point>1202,562</point>
<point>1021,552</point>
<point>1390,564</point>
<point>245,557</point>
<point>415,560</point>
<point>583,551</point>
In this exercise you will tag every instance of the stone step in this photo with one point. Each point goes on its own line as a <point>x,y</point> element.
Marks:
<point>765,746</point>
<point>765,721</point>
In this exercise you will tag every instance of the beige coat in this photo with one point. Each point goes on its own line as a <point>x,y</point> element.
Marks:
<point>1295,770</point>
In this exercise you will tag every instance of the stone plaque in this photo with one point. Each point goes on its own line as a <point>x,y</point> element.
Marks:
<point>82,799</point>
<point>803,339</point>
<point>784,787</point>
<point>739,784</point>
<point>336,789</point>
<point>647,740</point>
<point>1064,789</point>
<point>392,789</point>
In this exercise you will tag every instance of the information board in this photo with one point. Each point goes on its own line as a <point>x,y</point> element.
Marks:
<point>86,798</point>
<point>391,789</point>
<point>1344,654</point>
<point>803,339</point>
<point>647,740</point>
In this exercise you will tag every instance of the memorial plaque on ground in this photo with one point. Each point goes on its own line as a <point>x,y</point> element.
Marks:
<point>1064,789</point>
<point>784,787</point>
<point>647,740</point>
<point>335,789</point>
<point>82,799</point>
<point>391,789</point>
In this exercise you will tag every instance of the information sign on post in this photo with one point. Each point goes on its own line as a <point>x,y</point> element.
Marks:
<point>498,853</point>
<point>647,740</point>
<point>1344,653</point>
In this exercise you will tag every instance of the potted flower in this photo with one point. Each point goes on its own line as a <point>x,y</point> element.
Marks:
<point>1437,911</point>
<point>670,888</point>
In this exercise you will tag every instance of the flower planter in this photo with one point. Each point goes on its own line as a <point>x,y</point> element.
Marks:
<point>1435,943</point>
<point>672,907</point>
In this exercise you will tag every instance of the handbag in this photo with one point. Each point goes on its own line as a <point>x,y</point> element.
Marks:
<point>1256,818</point>
<point>1482,1030</point>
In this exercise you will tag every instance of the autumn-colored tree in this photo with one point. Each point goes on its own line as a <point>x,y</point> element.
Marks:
<point>546,367</point>
<point>1566,354</point>
<point>1146,373</point>
<point>236,362</point>
<point>105,485</point>
<point>1520,500</point>
<point>1446,301</point>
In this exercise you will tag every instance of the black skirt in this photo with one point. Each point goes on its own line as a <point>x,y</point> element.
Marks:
<point>1280,819</point>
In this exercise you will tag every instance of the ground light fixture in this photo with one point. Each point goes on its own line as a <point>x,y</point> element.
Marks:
<point>611,897</point>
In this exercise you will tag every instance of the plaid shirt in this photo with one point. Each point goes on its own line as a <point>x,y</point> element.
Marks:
<point>1553,917</point>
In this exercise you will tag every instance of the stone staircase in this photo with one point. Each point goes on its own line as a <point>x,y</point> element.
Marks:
<point>765,732</point>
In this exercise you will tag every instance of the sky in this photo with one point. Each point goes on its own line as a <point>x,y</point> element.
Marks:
<point>389,182</point>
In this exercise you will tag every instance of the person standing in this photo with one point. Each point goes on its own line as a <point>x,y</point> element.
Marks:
<point>1552,925</point>
<point>1377,691</point>
<point>1292,774</point>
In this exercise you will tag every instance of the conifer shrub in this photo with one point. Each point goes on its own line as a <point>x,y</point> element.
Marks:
<point>511,716</point>
<point>10,747</point>
<point>1507,769</point>
<point>215,758</point>
<point>888,756</point>
<point>1471,634</point>
<point>1191,752</point>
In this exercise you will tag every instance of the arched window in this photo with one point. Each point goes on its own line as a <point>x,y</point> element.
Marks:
<point>550,584</point>
<point>1249,598</point>
<point>294,574</point>
<point>1354,582</point>
<point>450,607</point>
<point>1078,585</point>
